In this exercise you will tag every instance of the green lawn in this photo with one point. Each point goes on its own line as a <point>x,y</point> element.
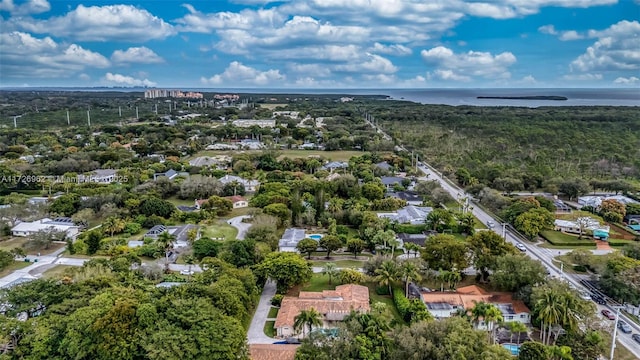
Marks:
<point>17,265</point>
<point>269,329</point>
<point>17,242</point>
<point>57,271</point>
<point>339,263</point>
<point>561,239</point>
<point>273,313</point>
<point>385,299</point>
<point>319,282</point>
<point>177,201</point>
<point>220,230</point>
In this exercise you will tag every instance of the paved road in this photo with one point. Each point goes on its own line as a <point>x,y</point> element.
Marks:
<point>36,269</point>
<point>546,257</point>
<point>256,329</point>
<point>242,227</point>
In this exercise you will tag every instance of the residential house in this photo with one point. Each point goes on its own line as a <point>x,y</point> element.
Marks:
<point>249,185</point>
<point>155,231</point>
<point>595,201</point>
<point>335,165</point>
<point>238,201</point>
<point>418,239</point>
<point>170,174</point>
<point>409,214</point>
<point>252,144</point>
<point>333,306</point>
<point>199,202</point>
<point>135,243</point>
<point>290,239</point>
<point>411,197</point>
<point>590,226</point>
<point>333,176</point>
<point>102,176</point>
<point>220,146</point>
<point>390,181</point>
<point>39,200</point>
<point>63,224</point>
<point>384,166</point>
<point>272,351</point>
<point>245,123</point>
<point>221,162</point>
<point>561,207</point>
<point>443,304</point>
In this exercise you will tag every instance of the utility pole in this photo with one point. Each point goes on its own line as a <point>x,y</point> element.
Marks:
<point>89,117</point>
<point>68,120</point>
<point>504,231</point>
<point>615,332</point>
<point>15,122</point>
<point>119,111</point>
<point>137,117</point>
<point>156,111</point>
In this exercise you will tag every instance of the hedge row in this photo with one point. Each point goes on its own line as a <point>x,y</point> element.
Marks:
<point>402,304</point>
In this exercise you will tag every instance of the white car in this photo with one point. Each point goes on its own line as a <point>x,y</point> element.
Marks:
<point>521,247</point>
<point>186,272</point>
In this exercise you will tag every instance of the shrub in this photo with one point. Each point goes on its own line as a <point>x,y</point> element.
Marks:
<point>402,304</point>
<point>382,290</point>
<point>276,300</point>
<point>580,268</point>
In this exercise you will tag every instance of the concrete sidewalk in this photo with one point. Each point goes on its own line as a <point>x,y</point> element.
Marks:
<point>256,329</point>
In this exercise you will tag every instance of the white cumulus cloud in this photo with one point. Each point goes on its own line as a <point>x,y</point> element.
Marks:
<point>123,80</point>
<point>393,49</point>
<point>617,48</point>
<point>582,77</point>
<point>27,7</point>
<point>372,64</point>
<point>141,55</point>
<point>24,55</point>
<point>99,23</point>
<point>237,74</point>
<point>632,80</point>
<point>465,66</point>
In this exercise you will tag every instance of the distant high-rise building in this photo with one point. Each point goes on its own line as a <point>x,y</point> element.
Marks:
<point>163,93</point>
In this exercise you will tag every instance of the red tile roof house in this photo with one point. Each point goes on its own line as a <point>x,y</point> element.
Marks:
<point>333,305</point>
<point>238,201</point>
<point>272,352</point>
<point>443,304</point>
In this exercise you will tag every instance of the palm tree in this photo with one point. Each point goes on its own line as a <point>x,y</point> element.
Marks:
<point>516,327</point>
<point>330,270</point>
<point>411,247</point>
<point>387,273</point>
<point>453,278</point>
<point>492,315</point>
<point>409,272</point>
<point>550,308</point>
<point>307,318</point>
<point>559,353</point>
<point>478,312</point>
<point>165,240</point>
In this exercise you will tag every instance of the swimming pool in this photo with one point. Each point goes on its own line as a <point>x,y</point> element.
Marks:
<point>514,348</point>
<point>315,237</point>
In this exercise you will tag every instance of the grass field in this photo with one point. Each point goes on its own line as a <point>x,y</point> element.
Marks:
<point>17,242</point>
<point>558,238</point>
<point>273,312</point>
<point>220,230</point>
<point>17,265</point>
<point>56,271</point>
<point>385,299</point>
<point>343,155</point>
<point>269,330</point>
<point>339,263</point>
<point>272,106</point>
<point>176,201</point>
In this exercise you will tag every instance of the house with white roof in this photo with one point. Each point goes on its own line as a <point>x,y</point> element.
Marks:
<point>589,225</point>
<point>62,224</point>
<point>102,176</point>
<point>409,214</point>
<point>595,201</point>
<point>335,165</point>
<point>290,239</point>
<point>249,185</point>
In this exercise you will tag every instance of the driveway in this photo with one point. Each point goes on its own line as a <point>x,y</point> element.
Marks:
<point>242,227</point>
<point>256,329</point>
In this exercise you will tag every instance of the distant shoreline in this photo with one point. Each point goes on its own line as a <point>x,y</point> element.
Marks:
<point>543,97</point>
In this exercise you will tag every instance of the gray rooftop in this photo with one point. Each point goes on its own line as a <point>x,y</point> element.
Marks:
<point>439,306</point>
<point>291,237</point>
<point>391,180</point>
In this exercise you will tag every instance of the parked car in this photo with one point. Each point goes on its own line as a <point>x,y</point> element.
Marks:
<point>490,224</point>
<point>624,327</point>
<point>608,314</point>
<point>186,272</point>
<point>521,247</point>
<point>598,299</point>
<point>636,337</point>
<point>585,295</point>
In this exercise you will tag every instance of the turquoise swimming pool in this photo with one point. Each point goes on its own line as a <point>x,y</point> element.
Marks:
<point>514,348</point>
<point>315,237</point>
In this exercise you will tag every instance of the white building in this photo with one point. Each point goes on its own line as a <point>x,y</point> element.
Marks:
<point>595,201</point>
<point>246,123</point>
<point>62,224</point>
<point>446,304</point>
<point>590,226</point>
<point>290,239</point>
<point>249,185</point>
<point>410,214</point>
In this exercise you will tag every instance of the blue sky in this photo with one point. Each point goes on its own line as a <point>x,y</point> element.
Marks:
<point>321,43</point>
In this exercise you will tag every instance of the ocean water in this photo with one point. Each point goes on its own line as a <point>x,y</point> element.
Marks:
<point>575,97</point>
